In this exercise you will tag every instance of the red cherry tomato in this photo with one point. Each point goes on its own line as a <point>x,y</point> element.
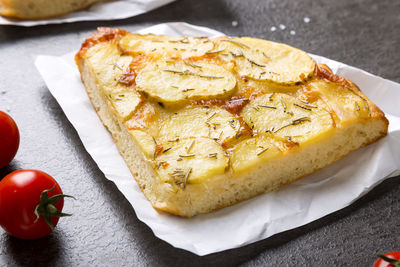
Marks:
<point>391,259</point>
<point>30,204</point>
<point>9,139</point>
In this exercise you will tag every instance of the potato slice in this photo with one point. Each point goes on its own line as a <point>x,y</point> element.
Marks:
<point>125,103</point>
<point>181,81</point>
<point>107,63</point>
<point>169,46</point>
<point>346,105</point>
<point>191,160</point>
<point>251,152</point>
<point>213,122</point>
<point>288,117</point>
<point>265,60</point>
<point>145,141</point>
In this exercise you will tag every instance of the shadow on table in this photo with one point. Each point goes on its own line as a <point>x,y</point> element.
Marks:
<point>159,252</point>
<point>13,166</point>
<point>205,12</point>
<point>42,252</point>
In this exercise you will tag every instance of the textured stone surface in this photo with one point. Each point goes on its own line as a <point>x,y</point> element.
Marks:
<point>104,230</point>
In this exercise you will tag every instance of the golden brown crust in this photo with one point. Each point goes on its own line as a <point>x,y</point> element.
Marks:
<point>103,34</point>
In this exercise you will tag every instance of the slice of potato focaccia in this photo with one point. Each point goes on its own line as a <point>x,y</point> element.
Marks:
<point>40,9</point>
<point>205,123</point>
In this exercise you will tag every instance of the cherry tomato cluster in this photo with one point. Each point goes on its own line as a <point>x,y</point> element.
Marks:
<point>31,201</point>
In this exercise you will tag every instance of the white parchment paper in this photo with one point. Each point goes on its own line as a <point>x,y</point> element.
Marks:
<point>119,9</point>
<point>324,192</point>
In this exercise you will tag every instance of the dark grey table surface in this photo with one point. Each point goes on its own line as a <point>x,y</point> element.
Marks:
<point>104,230</point>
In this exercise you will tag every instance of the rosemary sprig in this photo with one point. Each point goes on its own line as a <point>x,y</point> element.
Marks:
<point>192,65</point>
<point>213,155</point>
<point>271,96</point>
<point>303,107</point>
<point>159,164</point>
<point>265,106</point>
<point>183,41</point>
<point>166,150</point>
<point>262,151</point>
<point>237,55</point>
<point>189,171</point>
<point>232,124</point>
<point>187,156</point>
<point>219,136</point>
<point>115,65</point>
<point>256,64</point>
<point>190,147</point>
<point>210,77</point>
<point>294,122</point>
<point>186,72</point>
<point>215,52</point>
<point>307,104</point>
<point>300,120</point>
<point>179,72</point>
<point>212,115</point>
<point>265,55</point>
<point>241,45</point>
<point>283,105</point>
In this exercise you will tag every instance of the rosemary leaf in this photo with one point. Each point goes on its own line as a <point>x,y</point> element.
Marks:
<point>303,107</point>
<point>241,45</point>
<point>262,151</point>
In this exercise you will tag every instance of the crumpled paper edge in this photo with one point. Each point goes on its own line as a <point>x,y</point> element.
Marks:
<point>98,11</point>
<point>182,233</point>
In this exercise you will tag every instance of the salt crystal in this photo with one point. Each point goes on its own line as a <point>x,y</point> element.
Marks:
<point>273,28</point>
<point>292,32</point>
<point>307,19</point>
<point>282,27</point>
<point>235,23</point>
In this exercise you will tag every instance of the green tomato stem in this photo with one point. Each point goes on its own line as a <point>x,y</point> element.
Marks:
<point>47,209</point>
